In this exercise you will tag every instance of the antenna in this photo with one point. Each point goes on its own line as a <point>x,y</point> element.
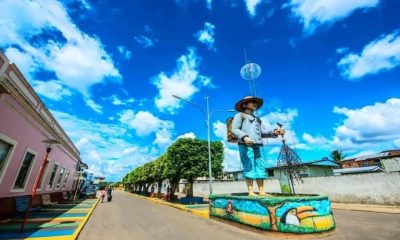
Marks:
<point>245,56</point>
<point>250,71</point>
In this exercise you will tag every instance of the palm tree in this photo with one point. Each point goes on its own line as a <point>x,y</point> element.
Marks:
<point>337,156</point>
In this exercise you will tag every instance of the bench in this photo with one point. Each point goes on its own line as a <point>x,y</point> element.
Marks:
<point>22,203</point>
<point>46,200</point>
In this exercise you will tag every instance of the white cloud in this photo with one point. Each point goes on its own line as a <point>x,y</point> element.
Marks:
<point>231,160</point>
<point>315,13</point>
<point>144,41</point>
<point>314,140</point>
<point>286,118</point>
<point>342,50</point>
<point>94,106</point>
<point>220,130</point>
<point>251,6</point>
<point>24,61</point>
<point>370,127</point>
<point>53,89</point>
<point>184,82</point>
<point>115,100</point>
<point>77,59</point>
<point>206,36</point>
<point>163,138</point>
<point>187,135</point>
<point>126,53</point>
<point>108,149</point>
<point>379,55</point>
<point>396,143</point>
<point>148,29</point>
<point>144,123</point>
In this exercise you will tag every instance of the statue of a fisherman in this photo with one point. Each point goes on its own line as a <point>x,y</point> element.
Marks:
<point>250,131</point>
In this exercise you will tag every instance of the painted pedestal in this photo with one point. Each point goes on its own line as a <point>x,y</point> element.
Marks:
<point>283,213</point>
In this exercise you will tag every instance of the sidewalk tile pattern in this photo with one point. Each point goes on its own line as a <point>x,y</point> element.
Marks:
<point>51,222</point>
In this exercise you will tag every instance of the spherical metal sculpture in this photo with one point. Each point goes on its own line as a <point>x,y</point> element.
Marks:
<point>250,71</point>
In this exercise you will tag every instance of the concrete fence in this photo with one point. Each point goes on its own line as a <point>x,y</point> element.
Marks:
<point>372,188</point>
<point>202,189</point>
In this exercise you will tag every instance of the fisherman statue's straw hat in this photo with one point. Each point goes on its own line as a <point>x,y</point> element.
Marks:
<point>239,105</point>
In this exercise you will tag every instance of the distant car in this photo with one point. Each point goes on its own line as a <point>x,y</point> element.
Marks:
<point>88,192</point>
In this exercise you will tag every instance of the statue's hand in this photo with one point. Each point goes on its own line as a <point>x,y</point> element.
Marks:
<point>280,131</point>
<point>248,141</point>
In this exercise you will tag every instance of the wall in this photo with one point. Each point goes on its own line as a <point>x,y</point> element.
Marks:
<point>391,164</point>
<point>26,122</point>
<point>373,188</point>
<point>202,189</point>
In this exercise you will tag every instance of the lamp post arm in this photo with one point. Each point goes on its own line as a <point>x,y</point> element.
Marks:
<point>193,104</point>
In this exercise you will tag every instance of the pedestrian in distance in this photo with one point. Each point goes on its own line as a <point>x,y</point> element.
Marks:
<point>103,194</point>
<point>109,194</point>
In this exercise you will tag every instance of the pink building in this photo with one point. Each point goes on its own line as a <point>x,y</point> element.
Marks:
<point>25,123</point>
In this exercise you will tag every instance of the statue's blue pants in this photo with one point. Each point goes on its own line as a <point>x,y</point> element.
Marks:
<point>253,162</point>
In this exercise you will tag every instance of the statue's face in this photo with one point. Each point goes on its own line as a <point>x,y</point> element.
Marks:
<point>251,106</point>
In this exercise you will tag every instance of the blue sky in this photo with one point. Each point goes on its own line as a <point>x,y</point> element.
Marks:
<point>107,70</point>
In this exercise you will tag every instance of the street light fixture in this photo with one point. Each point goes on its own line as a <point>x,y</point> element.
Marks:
<point>48,142</point>
<point>207,114</point>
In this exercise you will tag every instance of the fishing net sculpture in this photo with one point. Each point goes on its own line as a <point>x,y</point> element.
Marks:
<point>289,162</point>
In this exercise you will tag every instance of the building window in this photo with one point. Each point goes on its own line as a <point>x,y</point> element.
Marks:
<point>270,173</point>
<point>303,175</point>
<point>5,149</point>
<point>60,177</point>
<point>24,170</point>
<point>43,174</point>
<point>52,176</point>
<point>66,179</point>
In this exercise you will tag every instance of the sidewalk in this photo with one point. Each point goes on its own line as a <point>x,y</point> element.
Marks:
<point>61,221</point>
<point>367,207</point>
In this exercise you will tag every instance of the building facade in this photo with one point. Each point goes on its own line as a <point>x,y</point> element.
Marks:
<point>389,161</point>
<point>25,123</point>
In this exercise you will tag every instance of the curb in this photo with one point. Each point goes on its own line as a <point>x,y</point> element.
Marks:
<point>174,205</point>
<point>83,222</point>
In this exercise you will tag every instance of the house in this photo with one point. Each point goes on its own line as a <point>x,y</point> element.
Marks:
<point>29,134</point>
<point>357,170</point>
<point>319,168</point>
<point>388,160</point>
<point>233,175</point>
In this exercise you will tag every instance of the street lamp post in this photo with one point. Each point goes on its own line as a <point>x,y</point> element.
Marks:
<point>49,142</point>
<point>207,116</point>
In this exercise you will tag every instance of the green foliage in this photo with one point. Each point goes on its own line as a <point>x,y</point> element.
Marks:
<point>186,158</point>
<point>337,155</point>
<point>189,159</point>
<point>285,188</point>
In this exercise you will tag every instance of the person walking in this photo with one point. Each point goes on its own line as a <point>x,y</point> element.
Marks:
<point>103,194</point>
<point>109,194</point>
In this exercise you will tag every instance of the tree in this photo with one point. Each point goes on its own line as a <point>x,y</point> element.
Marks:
<point>189,158</point>
<point>158,169</point>
<point>337,156</point>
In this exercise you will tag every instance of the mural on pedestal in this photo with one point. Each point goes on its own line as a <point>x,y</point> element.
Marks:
<point>300,214</point>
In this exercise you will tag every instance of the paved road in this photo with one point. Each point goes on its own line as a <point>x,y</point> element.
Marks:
<point>129,217</point>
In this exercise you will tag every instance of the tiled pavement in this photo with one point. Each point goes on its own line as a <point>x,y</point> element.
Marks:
<point>58,221</point>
